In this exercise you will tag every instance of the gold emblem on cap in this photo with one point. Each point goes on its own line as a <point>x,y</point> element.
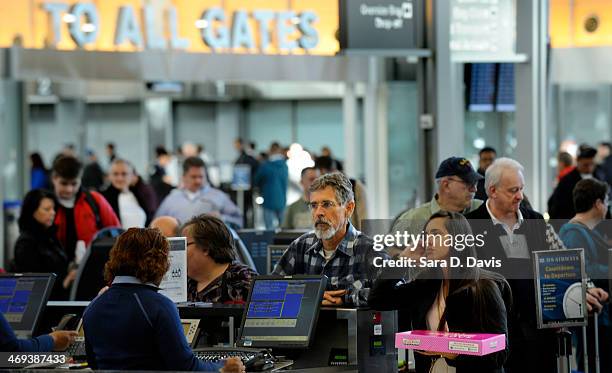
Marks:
<point>464,162</point>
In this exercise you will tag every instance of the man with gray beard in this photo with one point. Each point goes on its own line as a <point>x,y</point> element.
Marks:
<point>335,248</point>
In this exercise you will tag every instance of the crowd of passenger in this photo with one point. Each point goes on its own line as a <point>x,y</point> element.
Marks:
<point>64,212</point>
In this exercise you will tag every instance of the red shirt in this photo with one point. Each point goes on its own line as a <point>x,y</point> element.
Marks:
<point>564,172</point>
<point>84,218</point>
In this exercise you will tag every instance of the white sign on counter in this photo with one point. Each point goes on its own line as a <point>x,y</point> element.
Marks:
<point>174,283</point>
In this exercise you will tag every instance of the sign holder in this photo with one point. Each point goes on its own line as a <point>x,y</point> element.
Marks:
<point>560,286</point>
<point>174,283</point>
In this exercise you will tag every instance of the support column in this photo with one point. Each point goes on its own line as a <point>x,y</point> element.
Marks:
<point>445,93</point>
<point>158,116</point>
<point>14,175</point>
<point>375,131</point>
<point>349,117</point>
<point>228,129</point>
<point>70,118</point>
<point>531,99</point>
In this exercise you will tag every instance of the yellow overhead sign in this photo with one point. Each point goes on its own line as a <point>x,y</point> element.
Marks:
<point>221,26</point>
<point>580,23</point>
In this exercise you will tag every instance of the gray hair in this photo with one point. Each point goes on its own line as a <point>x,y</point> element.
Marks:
<point>439,181</point>
<point>341,184</point>
<point>494,173</point>
<point>118,161</point>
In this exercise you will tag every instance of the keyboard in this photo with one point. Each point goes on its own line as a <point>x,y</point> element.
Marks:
<point>253,359</point>
<point>223,353</point>
<point>76,349</point>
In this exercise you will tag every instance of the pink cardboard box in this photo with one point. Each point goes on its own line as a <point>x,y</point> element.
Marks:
<point>454,343</point>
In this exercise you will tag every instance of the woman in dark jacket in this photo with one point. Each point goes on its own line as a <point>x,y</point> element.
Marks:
<point>133,201</point>
<point>37,248</point>
<point>456,299</point>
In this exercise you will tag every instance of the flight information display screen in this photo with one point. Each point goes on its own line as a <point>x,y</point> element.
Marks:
<point>505,88</point>
<point>490,87</point>
<point>482,87</point>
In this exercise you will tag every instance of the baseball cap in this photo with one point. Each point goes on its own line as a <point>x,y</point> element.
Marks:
<point>456,166</point>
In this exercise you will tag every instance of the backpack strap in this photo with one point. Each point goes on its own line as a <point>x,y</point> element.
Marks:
<point>91,201</point>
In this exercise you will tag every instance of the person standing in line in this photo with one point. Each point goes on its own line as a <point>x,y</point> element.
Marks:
<point>272,178</point>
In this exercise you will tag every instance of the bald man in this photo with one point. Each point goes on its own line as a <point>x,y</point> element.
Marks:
<point>168,225</point>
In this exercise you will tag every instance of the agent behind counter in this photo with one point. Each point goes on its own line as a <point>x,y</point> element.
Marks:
<point>133,327</point>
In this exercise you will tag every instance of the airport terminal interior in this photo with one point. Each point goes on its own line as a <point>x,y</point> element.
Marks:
<point>306,185</point>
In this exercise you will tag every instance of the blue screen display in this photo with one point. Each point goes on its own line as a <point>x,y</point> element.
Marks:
<point>505,88</point>
<point>482,87</point>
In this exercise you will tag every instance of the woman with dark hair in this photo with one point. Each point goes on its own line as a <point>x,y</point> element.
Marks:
<point>456,299</point>
<point>37,248</point>
<point>146,332</point>
<point>39,175</point>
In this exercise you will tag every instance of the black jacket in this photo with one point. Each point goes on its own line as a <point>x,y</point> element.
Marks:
<point>522,321</point>
<point>519,272</point>
<point>561,202</point>
<point>462,315</point>
<point>606,169</point>
<point>145,195</point>
<point>38,250</point>
<point>93,176</point>
<point>481,193</point>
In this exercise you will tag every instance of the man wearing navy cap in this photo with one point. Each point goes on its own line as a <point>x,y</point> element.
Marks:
<point>457,184</point>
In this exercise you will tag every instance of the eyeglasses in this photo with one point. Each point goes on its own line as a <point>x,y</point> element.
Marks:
<point>325,204</point>
<point>190,243</point>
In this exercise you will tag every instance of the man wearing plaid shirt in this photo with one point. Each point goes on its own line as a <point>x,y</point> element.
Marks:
<point>335,248</point>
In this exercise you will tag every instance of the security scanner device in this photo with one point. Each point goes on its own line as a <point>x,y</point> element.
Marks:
<point>360,338</point>
<point>23,297</point>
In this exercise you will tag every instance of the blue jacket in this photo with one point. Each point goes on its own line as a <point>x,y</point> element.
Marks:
<point>595,248</point>
<point>132,327</point>
<point>272,178</point>
<point>578,236</point>
<point>10,343</point>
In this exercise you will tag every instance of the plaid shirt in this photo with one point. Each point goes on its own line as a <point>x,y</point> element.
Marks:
<point>349,268</point>
<point>231,287</point>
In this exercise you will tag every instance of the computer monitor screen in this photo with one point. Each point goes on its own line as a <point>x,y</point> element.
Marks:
<point>256,242</point>
<point>282,311</point>
<point>275,253</point>
<point>23,298</point>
